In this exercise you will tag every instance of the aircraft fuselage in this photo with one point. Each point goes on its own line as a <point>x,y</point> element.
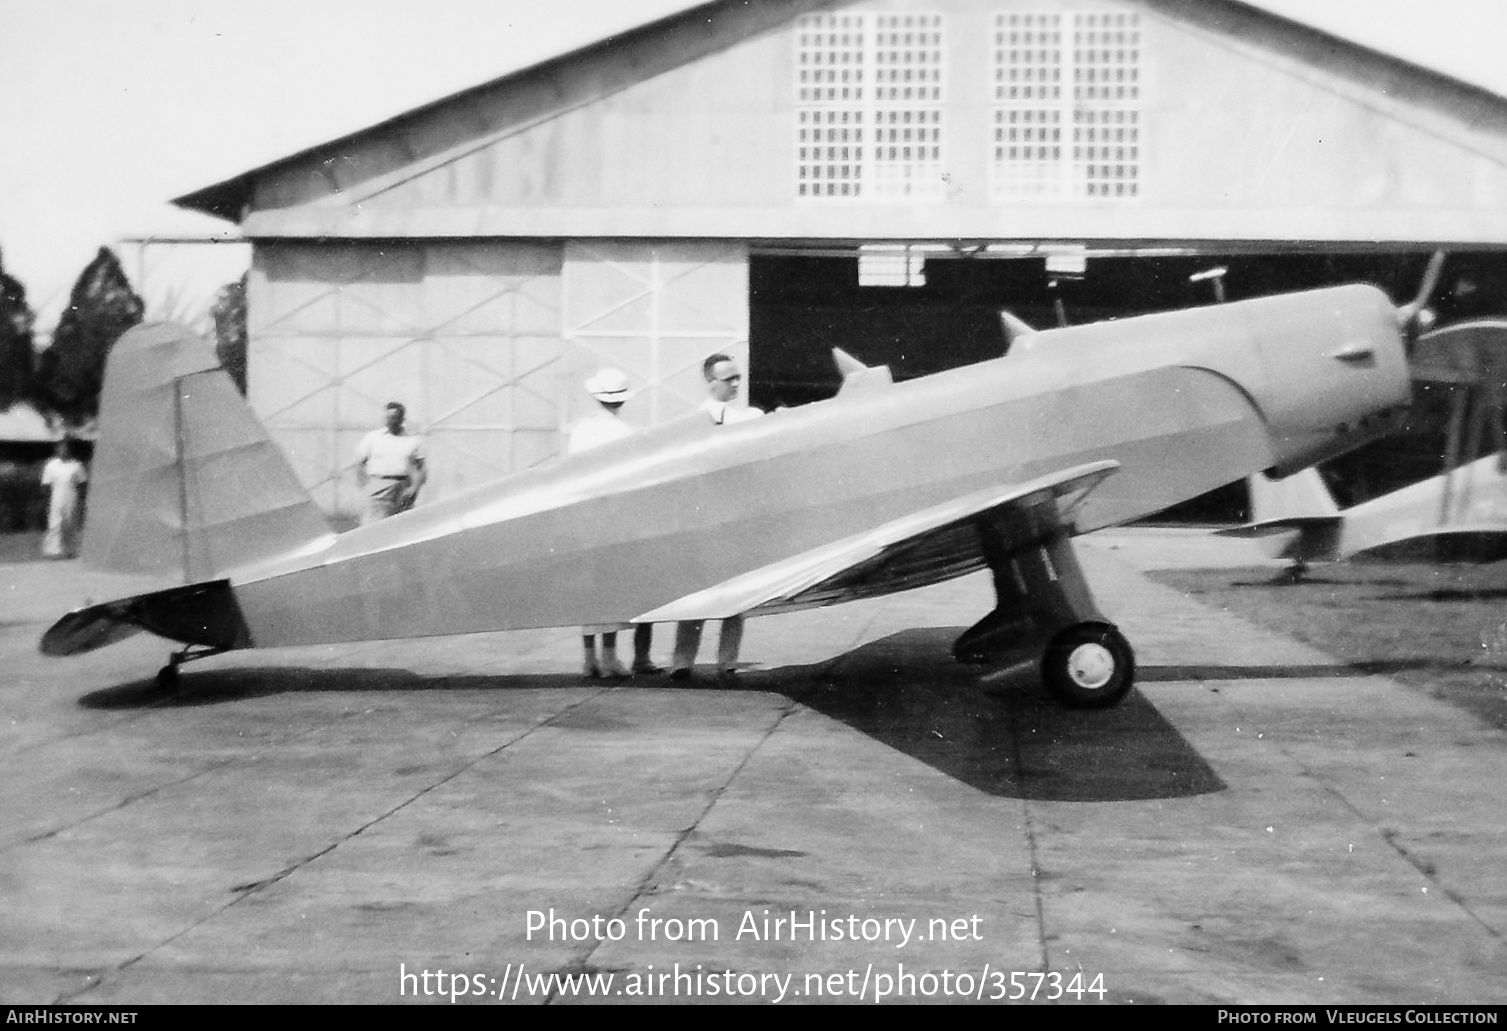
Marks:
<point>1184,402</point>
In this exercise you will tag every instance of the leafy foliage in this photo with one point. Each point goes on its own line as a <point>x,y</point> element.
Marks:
<point>101,308</point>
<point>17,356</point>
<point>229,314</point>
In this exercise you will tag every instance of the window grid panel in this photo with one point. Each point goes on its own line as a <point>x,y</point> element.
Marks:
<point>1106,104</point>
<point>908,153</point>
<point>1028,152</point>
<point>830,152</point>
<point>908,58</point>
<point>1028,58</point>
<point>866,88</point>
<point>830,52</point>
<point>907,268</point>
<point>1028,65</point>
<point>1052,142</point>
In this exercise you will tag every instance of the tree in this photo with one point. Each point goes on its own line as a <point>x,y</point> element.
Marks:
<point>229,313</point>
<point>101,308</point>
<point>17,356</point>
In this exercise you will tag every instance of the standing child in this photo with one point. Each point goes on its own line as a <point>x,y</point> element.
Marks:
<point>64,476</point>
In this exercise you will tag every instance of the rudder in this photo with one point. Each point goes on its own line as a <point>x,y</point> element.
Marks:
<point>185,481</point>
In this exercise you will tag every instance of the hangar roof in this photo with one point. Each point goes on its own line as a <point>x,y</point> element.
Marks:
<point>1416,123</point>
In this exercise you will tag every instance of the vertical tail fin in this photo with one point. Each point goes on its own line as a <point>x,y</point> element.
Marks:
<point>1302,495</point>
<point>185,481</point>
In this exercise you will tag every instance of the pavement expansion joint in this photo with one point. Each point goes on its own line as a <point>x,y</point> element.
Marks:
<point>244,891</point>
<point>645,884</point>
<point>122,804</point>
<point>1033,849</point>
<point>1431,873</point>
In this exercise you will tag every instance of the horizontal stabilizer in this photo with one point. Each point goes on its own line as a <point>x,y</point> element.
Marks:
<point>928,546</point>
<point>203,614</point>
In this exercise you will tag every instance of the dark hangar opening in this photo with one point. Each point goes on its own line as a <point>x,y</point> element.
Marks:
<point>802,306</point>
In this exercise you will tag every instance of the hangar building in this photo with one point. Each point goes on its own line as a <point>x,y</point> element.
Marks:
<point>773,179</point>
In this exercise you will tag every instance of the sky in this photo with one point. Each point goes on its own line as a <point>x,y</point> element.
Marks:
<point>113,107</point>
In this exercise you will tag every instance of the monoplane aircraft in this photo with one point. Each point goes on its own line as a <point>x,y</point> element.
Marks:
<point>884,487</point>
<point>1462,510</point>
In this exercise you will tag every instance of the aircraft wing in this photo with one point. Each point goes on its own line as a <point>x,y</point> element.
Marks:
<point>925,547</point>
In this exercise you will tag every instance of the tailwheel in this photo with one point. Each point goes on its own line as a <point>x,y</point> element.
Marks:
<point>167,678</point>
<point>1088,666</point>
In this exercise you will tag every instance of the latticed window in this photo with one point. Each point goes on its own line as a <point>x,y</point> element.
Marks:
<point>892,265</point>
<point>831,152</point>
<point>1067,105</point>
<point>869,89</point>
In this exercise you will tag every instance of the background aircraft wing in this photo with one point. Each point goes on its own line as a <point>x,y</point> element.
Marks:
<point>925,547</point>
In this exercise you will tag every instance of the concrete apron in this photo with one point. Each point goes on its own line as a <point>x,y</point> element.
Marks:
<point>1255,825</point>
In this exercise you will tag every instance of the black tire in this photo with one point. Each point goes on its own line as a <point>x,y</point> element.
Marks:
<point>167,679</point>
<point>1088,666</point>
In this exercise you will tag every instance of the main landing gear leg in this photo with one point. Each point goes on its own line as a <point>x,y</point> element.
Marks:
<point>1045,610</point>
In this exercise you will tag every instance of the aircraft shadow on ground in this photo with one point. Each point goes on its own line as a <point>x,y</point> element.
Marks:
<point>1169,674</point>
<point>907,692</point>
<point>1287,579</point>
<point>222,686</point>
<point>1447,594</point>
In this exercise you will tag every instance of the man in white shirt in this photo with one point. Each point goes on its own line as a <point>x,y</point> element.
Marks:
<point>389,467</point>
<point>610,388</point>
<point>723,379</point>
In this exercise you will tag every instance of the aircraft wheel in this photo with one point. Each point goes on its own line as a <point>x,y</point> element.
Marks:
<point>167,678</point>
<point>1088,666</point>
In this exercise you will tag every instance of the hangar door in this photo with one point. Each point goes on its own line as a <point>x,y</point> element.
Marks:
<point>467,336</point>
<point>655,310</point>
<point>487,343</point>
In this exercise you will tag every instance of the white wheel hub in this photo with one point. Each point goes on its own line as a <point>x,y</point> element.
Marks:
<point>1091,666</point>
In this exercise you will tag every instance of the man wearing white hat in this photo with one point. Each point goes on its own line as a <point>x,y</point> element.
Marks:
<point>610,388</point>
